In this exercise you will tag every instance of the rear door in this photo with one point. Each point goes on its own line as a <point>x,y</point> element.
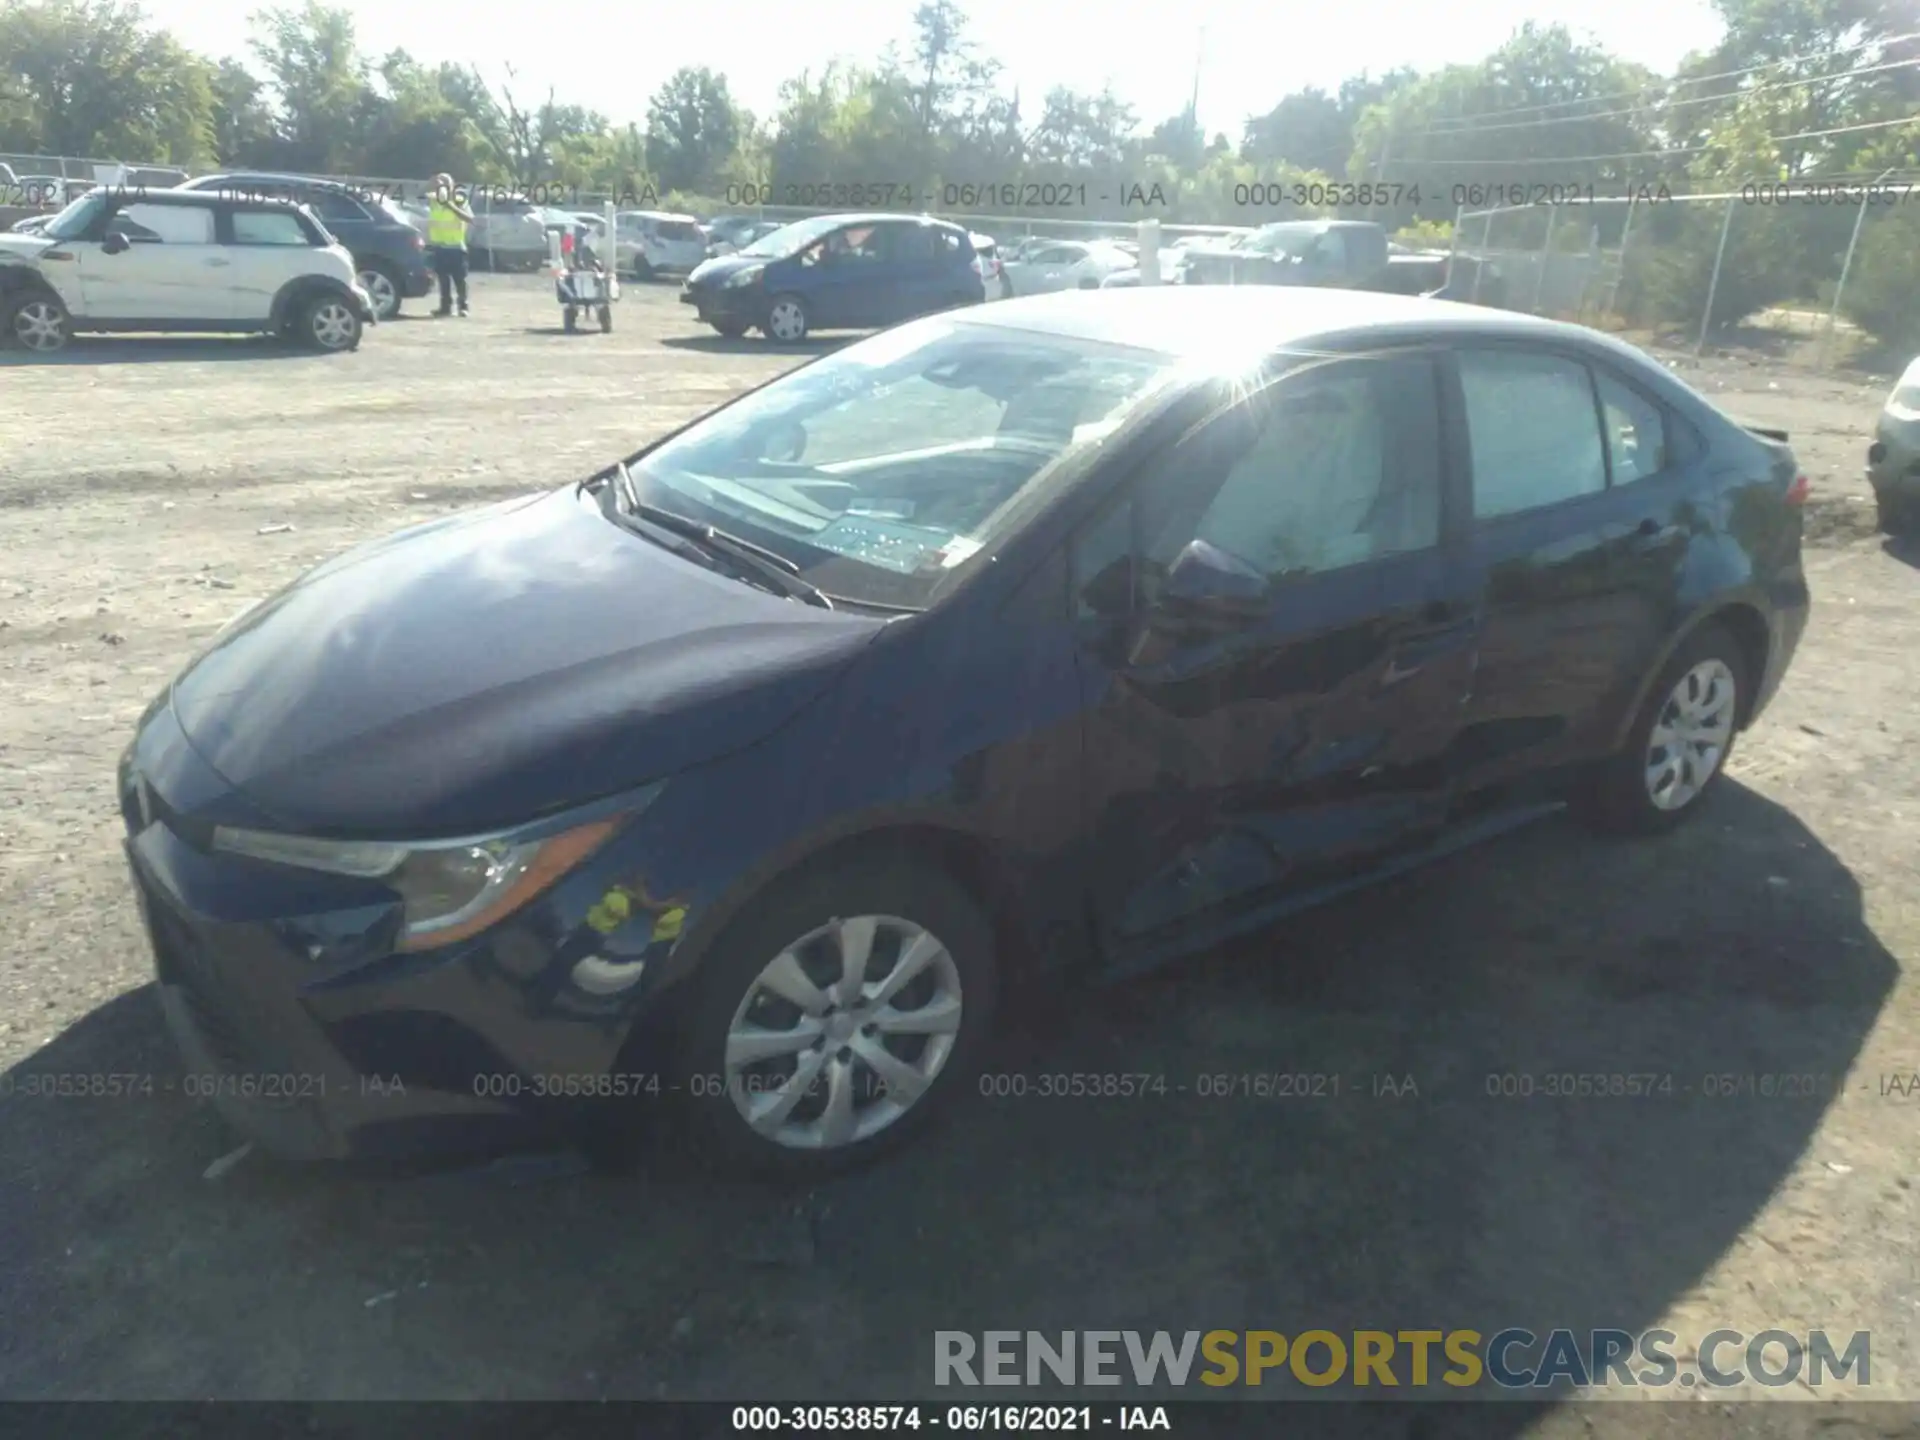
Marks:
<point>269,249</point>
<point>1240,756</point>
<point>921,264</point>
<point>1575,554</point>
<point>172,267</point>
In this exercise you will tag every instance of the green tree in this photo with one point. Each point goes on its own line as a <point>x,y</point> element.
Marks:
<point>692,128</point>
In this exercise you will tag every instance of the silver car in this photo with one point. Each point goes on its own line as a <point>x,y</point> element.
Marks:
<point>1893,460</point>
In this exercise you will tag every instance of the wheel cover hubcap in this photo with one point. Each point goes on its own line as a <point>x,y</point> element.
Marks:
<point>786,320</point>
<point>1690,735</point>
<point>843,1032</point>
<point>37,325</point>
<point>332,326</point>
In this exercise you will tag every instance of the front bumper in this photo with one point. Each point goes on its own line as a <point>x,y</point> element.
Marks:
<point>1893,460</point>
<point>310,1036</point>
<point>742,306</point>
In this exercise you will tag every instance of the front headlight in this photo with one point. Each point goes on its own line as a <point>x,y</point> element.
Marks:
<point>452,889</point>
<point>743,277</point>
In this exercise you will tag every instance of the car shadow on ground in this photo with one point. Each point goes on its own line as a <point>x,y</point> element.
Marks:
<point>1420,1173</point>
<point>758,344</point>
<point>158,350</point>
<point>1904,548</point>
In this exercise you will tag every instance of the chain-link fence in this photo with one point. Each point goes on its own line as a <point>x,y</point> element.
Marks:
<point>1766,265</point>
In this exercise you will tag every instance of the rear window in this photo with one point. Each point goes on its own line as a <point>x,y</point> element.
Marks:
<point>268,227</point>
<point>677,230</point>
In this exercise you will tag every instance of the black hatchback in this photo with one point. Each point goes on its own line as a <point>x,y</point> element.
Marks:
<point>732,785</point>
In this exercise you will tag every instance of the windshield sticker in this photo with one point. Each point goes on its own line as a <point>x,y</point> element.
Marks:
<point>889,545</point>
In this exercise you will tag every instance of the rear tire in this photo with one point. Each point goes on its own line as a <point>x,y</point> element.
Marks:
<point>606,319</point>
<point>328,324</point>
<point>384,288</point>
<point>930,1033</point>
<point>1680,742</point>
<point>569,320</point>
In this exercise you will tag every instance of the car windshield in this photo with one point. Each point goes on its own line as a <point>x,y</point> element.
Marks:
<point>73,221</point>
<point>1283,239</point>
<point>791,239</point>
<point>880,470</point>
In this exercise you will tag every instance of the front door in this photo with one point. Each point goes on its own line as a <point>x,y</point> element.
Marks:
<point>1276,642</point>
<point>840,274</point>
<point>155,262</point>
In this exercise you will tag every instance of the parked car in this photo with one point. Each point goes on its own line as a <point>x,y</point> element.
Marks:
<point>32,224</point>
<point>389,253</point>
<point>837,272</point>
<point>993,277</point>
<point>1048,637</point>
<point>1893,460</point>
<point>47,190</point>
<point>1171,256</point>
<point>509,232</point>
<point>188,260</point>
<point>1346,253</point>
<point>652,242</point>
<point>738,237</point>
<point>1065,265</point>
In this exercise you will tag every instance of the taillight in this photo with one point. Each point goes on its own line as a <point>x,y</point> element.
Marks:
<point>1797,492</point>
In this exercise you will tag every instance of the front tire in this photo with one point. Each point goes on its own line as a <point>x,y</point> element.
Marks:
<point>39,322</point>
<point>787,319</point>
<point>383,287</point>
<point>1680,742</point>
<point>838,1018</point>
<point>328,324</point>
<point>1896,513</point>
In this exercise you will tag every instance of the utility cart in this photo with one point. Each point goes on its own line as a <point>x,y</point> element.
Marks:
<point>581,282</point>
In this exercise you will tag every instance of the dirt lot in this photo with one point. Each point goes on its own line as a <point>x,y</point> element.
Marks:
<point>146,490</point>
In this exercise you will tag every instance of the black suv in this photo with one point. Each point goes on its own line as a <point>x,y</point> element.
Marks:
<point>388,252</point>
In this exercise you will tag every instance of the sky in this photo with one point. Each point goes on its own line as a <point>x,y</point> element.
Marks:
<point>611,55</point>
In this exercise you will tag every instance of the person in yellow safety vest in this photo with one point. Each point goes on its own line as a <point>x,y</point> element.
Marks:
<point>447,221</point>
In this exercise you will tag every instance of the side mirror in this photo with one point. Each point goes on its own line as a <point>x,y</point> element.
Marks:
<point>1206,583</point>
<point>115,242</point>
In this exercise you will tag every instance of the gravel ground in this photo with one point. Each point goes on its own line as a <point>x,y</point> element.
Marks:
<point>150,488</point>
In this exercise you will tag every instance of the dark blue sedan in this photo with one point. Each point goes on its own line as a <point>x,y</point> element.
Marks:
<point>838,272</point>
<point>731,786</point>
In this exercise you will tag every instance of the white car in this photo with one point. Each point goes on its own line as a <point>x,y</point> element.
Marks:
<point>650,242</point>
<point>1064,265</point>
<point>1171,256</point>
<point>180,260</point>
<point>508,232</point>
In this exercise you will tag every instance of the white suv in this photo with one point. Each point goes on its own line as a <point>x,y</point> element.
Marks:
<point>122,260</point>
<point>651,242</point>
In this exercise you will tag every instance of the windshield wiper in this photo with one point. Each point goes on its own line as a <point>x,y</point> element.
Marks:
<point>774,571</point>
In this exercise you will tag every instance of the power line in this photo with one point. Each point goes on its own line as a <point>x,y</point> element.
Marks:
<point>1641,110</point>
<point>1467,122</point>
<point>1545,160</point>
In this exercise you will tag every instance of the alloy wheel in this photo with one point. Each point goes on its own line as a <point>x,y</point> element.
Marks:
<point>40,325</point>
<point>843,1032</point>
<point>386,299</point>
<point>333,325</point>
<point>1690,735</point>
<point>786,320</point>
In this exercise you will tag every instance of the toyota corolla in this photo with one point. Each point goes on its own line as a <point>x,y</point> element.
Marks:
<point>734,783</point>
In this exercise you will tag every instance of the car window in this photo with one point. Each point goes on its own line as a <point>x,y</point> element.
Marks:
<point>334,206</point>
<point>268,227</point>
<point>678,230</point>
<point>165,224</point>
<point>1328,468</point>
<point>1636,431</point>
<point>1534,431</point>
<point>911,244</point>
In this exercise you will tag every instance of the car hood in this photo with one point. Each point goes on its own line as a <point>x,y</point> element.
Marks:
<point>713,271</point>
<point>22,248</point>
<point>478,671</point>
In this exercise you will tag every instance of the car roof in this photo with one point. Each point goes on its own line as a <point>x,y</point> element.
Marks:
<point>275,177</point>
<point>874,217</point>
<point>1192,321</point>
<point>662,215</point>
<point>176,196</point>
